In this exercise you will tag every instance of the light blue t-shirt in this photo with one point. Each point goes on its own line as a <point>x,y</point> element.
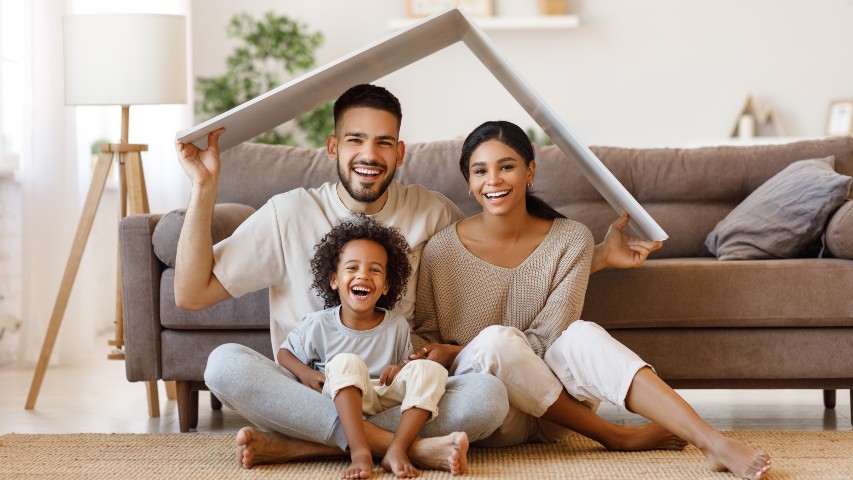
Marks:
<point>322,335</point>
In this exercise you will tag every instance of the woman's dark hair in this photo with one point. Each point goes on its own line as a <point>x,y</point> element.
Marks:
<point>327,255</point>
<point>513,137</point>
<point>370,96</point>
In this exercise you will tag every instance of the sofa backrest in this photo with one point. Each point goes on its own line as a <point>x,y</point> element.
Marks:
<point>687,191</point>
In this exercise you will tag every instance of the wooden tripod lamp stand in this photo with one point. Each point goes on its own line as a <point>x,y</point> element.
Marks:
<point>115,59</point>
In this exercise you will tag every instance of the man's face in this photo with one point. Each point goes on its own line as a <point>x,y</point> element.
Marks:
<point>367,151</point>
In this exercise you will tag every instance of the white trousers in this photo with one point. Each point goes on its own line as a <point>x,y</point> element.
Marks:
<point>419,384</point>
<point>585,360</point>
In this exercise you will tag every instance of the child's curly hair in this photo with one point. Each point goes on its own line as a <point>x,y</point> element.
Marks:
<point>327,255</point>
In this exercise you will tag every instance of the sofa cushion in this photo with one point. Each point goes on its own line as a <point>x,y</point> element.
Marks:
<point>784,215</point>
<point>686,190</point>
<point>839,232</point>
<point>226,218</point>
<point>249,312</point>
<point>706,293</point>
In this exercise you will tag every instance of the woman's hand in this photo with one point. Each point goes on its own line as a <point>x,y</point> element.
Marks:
<point>443,353</point>
<point>389,374</point>
<point>621,251</point>
<point>313,379</point>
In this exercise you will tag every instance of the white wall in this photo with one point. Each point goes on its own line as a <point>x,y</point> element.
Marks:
<point>651,73</point>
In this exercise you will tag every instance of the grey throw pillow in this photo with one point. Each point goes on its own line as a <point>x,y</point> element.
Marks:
<point>784,215</point>
<point>226,218</point>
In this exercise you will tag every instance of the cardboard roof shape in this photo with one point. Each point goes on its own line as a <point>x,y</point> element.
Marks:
<point>394,52</point>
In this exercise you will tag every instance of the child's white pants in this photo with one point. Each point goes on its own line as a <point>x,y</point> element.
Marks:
<point>420,384</point>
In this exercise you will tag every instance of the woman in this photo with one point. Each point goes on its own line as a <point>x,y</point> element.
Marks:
<point>502,291</point>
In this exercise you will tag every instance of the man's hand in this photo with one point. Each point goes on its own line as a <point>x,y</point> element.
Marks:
<point>389,374</point>
<point>618,250</point>
<point>313,379</point>
<point>443,353</point>
<point>201,166</point>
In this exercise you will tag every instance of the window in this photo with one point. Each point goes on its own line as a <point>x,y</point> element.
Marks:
<point>11,85</point>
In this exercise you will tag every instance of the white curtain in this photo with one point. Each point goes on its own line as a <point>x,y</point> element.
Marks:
<point>56,174</point>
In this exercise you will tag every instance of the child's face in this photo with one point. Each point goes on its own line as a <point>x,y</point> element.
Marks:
<point>361,275</point>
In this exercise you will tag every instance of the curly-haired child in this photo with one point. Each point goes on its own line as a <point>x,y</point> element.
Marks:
<point>360,270</point>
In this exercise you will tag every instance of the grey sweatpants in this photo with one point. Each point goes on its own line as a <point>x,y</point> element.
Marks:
<point>272,398</point>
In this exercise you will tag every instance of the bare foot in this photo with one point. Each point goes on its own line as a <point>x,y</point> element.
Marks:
<point>649,436</point>
<point>743,461</point>
<point>449,453</point>
<point>361,466</point>
<point>255,447</point>
<point>397,462</point>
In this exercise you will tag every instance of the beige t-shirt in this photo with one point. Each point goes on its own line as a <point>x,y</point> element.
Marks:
<point>273,247</point>
<point>459,294</point>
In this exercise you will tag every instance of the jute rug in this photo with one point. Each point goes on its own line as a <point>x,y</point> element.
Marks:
<point>796,455</point>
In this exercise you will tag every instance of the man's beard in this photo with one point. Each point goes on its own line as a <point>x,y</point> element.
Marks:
<point>364,194</point>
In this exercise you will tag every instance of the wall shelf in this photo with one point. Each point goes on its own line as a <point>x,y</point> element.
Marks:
<point>537,22</point>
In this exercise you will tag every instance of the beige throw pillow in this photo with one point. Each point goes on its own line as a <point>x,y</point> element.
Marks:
<point>784,215</point>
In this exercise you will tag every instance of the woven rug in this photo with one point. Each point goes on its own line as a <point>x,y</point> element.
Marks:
<point>795,455</point>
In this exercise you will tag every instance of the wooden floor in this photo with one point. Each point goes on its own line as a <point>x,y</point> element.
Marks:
<point>96,397</point>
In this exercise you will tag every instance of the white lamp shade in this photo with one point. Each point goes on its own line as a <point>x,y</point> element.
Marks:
<point>125,59</point>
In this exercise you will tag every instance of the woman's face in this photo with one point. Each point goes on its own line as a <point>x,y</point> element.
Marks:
<point>498,177</point>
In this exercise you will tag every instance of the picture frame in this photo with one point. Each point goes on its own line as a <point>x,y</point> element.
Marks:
<point>839,120</point>
<point>425,8</point>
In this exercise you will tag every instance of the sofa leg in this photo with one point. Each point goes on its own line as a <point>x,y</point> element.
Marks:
<point>215,403</point>
<point>194,411</point>
<point>187,415</point>
<point>153,398</point>
<point>829,398</point>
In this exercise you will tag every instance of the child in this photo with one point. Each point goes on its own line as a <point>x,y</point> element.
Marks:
<point>360,270</point>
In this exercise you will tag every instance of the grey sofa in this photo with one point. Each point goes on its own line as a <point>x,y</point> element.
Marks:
<point>701,322</point>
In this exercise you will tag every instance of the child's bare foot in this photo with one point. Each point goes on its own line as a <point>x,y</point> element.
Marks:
<point>361,466</point>
<point>649,436</point>
<point>449,453</point>
<point>397,462</point>
<point>255,447</point>
<point>743,461</point>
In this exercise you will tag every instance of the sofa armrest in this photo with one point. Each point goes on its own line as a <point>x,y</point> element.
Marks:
<point>839,232</point>
<point>140,292</point>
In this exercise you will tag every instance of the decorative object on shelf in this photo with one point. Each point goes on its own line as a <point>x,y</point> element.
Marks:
<point>552,7</point>
<point>753,123</point>
<point>425,8</point>
<point>153,71</point>
<point>839,121</point>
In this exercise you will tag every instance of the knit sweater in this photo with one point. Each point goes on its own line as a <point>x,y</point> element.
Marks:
<point>460,294</point>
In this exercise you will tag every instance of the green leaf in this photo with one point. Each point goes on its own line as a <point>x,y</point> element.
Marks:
<point>266,49</point>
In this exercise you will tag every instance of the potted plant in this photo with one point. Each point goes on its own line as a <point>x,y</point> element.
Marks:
<point>267,48</point>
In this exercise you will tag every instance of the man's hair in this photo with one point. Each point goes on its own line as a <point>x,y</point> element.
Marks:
<point>327,255</point>
<point>370,96</point>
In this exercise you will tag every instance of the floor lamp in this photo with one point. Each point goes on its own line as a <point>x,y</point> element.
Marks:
<point>115,59</point>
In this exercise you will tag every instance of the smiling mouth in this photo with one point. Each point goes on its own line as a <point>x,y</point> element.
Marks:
<point>360,292</point>
<point>365,171</point>
<point>495,195</point>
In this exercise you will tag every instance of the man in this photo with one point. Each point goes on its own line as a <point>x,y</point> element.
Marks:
<point>273,249</point>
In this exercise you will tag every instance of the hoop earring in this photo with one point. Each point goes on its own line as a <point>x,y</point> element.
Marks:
<point>470,193</point>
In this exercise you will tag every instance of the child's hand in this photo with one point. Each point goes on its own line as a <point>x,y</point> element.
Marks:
<point>389,374</point>
<point>313,379</point>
